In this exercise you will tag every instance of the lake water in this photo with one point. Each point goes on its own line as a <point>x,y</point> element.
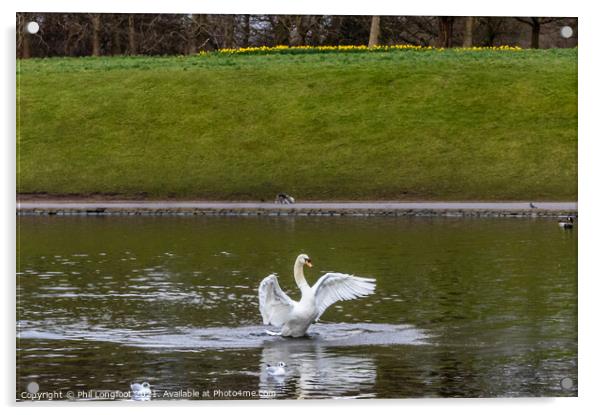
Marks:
<point>463,307</point>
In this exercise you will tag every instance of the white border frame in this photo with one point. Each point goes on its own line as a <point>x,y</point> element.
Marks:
<point>589,194</point>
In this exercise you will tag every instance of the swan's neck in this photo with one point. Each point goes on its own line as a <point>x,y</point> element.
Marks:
<point>299,276</point>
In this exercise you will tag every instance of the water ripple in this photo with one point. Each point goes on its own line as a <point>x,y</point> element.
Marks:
<point>331,335</point>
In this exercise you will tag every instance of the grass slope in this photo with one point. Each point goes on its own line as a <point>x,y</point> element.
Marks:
<point>446,125</point>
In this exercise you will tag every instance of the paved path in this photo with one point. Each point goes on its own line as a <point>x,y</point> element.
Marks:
<point>159,205</point>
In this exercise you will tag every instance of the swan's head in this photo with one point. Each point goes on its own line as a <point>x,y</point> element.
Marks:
<point>305,260</point>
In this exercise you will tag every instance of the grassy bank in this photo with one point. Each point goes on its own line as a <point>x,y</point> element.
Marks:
<point>450,125</point>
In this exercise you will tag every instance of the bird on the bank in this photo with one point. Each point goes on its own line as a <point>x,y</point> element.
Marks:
<point>278,370</point>
<point>293,318</point>
<point>532,206</point>
<point>284,199</point>
<point>566,223</point>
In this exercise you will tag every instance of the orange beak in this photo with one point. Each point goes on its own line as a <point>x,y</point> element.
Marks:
<point>308,263</point>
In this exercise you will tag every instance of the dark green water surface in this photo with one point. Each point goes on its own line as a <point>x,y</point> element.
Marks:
<point>463,307</point>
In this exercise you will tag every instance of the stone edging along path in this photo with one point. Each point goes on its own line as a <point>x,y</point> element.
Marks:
<point>181,208</point>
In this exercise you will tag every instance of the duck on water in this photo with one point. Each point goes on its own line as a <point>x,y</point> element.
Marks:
<point>293,318</point>
<point>566,223</point>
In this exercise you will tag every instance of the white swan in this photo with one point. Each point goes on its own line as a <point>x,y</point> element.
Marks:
<point>294,317</point>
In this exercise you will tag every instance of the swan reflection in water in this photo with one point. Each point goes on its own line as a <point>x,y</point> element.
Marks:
<point>313,370</point>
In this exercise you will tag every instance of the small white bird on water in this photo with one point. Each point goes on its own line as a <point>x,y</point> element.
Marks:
<point>141,391</point>
<point>294,317</point>
<point>278,370</point>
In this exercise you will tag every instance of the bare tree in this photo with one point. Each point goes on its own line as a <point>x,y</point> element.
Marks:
<point>374,31</point>
<point>23,37</point>
<point>83,34</point>
<point>299,28</point>
<point>446,31</point>
<point>132,50</point>
<point>468,24</point>
<point>192,33</point>
<point>536,23</point>
<point>116,20</point>
<point>75,29</point>
<point>415,30</point>
<point>228,23</point>
<point>296,29</point>
<point>281,30</point>
<point>332,29</point>
<point>95,34</point>
<point>246,30</point>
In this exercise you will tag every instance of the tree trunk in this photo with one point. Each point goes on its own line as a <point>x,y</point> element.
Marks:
<point>247,30</point>
<point>301,29</point>
<point>192,33</point>
<point>468,24</point>
<point>131,35</point>
<point>206,40</point>
<point>281,33</point>
<point>535,30</point>
<point>23,36</point>
<point>25,43</point>
<point>25,48</point>
<point>96,35</point>
<point>446,28</point>
<point>229,31</point>
<point>115,36</point>
<point>374,31</point>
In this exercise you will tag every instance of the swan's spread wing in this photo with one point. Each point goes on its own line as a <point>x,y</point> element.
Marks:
<point>334,286</point>
<point>274,304</point>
